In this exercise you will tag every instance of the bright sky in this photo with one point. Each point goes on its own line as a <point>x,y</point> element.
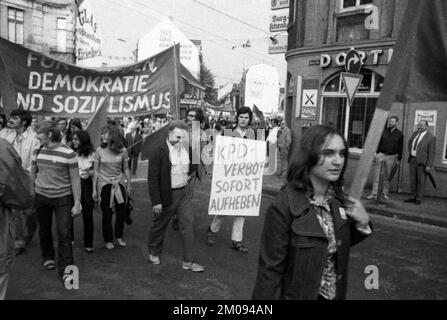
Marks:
<point>129,20</point>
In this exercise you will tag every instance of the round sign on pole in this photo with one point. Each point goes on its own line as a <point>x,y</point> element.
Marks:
<point>353,62</point>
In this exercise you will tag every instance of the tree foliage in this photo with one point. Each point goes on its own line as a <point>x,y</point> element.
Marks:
<point>207,79</point>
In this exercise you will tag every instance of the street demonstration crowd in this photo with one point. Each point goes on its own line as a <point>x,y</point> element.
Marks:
<point>50,167</point>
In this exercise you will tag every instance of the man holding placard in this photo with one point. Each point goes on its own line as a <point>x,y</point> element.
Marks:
<point>237,179</point>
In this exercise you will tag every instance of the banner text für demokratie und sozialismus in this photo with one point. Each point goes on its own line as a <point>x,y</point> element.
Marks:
<point>136,85</point>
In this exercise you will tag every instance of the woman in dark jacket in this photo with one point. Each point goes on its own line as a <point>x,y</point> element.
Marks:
<point>311,226</point>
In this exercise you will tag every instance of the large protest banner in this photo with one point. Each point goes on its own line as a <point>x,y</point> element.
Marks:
<point>49,87</point>
<point>237,177</point>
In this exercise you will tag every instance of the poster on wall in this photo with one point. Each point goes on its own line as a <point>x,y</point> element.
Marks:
<point>309,104</point>
<point>424,115</point>
<point>88,37</point>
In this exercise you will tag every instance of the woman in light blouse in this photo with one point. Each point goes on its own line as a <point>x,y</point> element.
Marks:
<point>311,225</point>
<point>85,156</point>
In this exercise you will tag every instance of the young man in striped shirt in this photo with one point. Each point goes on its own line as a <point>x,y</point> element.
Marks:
<point>58,189</point>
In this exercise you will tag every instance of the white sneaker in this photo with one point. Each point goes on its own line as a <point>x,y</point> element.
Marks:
<point>121,242</point>
<point>371,197</point>
<point>385,197</point>
<point>110,245</point>
<point>153,259</point>
<point>193,266</point>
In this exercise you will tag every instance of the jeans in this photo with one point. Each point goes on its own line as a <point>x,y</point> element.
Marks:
<point>181,205</point>
<point>61,207</point>
<point>107,212</point>
<point>87,211</point>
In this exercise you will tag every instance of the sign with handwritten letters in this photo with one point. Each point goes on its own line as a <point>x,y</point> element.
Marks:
<point>237,177</point>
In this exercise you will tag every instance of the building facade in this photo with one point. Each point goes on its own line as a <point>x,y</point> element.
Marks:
<point>43,26</point>
<point>321,32</point>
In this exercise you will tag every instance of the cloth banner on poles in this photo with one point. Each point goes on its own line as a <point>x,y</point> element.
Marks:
<point>237,177</point>
<point>49,87</point>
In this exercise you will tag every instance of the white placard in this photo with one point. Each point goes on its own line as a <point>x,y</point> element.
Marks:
<point>237,177</point>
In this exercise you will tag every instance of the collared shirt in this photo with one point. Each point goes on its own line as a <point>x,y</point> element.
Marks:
<point>179,158</point>
<point>24,144</point>
<point>414,147</point>
<point>391,143</point>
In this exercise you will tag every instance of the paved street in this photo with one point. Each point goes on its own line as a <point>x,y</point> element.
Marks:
<point>412,262</point>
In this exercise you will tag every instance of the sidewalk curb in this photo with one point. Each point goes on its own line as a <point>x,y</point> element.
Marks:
<point>382,210</point>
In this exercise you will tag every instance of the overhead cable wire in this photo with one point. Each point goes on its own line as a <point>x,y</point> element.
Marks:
<point>231,17</point>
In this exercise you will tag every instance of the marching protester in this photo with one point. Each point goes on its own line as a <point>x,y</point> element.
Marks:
<point>85,156</point>
<point>58,190</point>
<point>284,141</point>
<point>133,145</point>
<point>171,181</point>
<point>421,148</point>
<point>389,152</point>
<point>24,141</point>
<point>193,114</point>
<point>15,193</point>
<point>74,126</point>
<point>244,118</point>
<point>62,124</point>
<point>111,184</point>
<point>312,224</point>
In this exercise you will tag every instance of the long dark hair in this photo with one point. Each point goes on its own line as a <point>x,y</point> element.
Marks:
<point>115,144</point>
<point>85,145</point>
<point>308,155</point>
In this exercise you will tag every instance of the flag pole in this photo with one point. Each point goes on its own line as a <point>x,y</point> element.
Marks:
<point>176,85</point>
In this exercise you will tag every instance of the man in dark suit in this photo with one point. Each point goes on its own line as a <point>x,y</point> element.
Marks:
<point>133,145</point>
<point>422,153</point>
<point>171,178</point>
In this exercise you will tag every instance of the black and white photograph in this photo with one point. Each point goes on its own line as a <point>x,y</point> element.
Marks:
<point>223,155</point>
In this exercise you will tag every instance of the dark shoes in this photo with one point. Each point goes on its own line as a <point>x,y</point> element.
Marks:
<point>210,237</point>
<point>415,201</point>
<point>238,246</point>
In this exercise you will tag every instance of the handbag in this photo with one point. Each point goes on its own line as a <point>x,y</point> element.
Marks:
<point>129,208</point>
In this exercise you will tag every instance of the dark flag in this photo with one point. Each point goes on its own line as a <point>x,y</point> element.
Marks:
<point>8,95</point>
<point>259,114</point>
<point>418,69</point>
<point>98,121</point>
<point>153,141</point>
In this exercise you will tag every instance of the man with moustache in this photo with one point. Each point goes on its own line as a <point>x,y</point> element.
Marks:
<point>390,151</point>
<point>422,154</point>
<point>171,181</point>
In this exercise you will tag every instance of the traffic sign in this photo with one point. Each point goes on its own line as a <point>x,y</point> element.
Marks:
<point>353,62</point>
<point>352,84</point>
